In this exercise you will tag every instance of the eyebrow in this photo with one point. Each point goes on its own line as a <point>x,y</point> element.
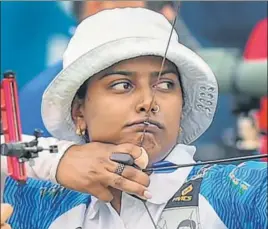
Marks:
<point>167,71</point>
<point>110,72</point>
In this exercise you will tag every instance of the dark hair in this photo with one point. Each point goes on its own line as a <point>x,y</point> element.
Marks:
<point>82,91</point>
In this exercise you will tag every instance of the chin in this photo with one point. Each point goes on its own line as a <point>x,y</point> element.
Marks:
<point>154,150</point>
<point>151,144</point>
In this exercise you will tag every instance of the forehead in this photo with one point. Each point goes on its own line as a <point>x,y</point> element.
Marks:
<point>148,64</point>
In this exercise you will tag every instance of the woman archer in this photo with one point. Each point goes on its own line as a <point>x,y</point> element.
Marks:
<point>101,101</point>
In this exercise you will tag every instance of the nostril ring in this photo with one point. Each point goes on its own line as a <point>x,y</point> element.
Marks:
<point>156,109</point>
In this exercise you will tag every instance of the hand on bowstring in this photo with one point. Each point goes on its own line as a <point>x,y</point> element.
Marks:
<point>6,211</point>
<point>89,169</point>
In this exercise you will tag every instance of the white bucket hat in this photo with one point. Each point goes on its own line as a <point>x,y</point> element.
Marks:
<point>119,34</point>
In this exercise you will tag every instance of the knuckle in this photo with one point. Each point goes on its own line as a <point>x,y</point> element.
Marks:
<point>102,160</point>
<point>118,181</point>
<point>92,175</point>
<point>92,179</point>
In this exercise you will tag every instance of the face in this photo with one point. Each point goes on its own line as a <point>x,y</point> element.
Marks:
<point>118,100</point>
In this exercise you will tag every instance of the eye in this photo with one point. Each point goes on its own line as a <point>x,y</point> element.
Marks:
<point>165,85</point>
<point>122,86</point>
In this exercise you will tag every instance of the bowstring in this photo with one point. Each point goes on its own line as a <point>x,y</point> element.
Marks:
<point>153,100</point>
<point>158,79</point>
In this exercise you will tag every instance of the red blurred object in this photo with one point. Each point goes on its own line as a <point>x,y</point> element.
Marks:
<point>256,49</point>
<point>263,115</point>
<point>263,125</point>
<point>11,126</point>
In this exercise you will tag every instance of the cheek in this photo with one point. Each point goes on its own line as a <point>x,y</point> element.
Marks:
<point>173,117</point>
<point>173,110</point>
<point>105,117</point>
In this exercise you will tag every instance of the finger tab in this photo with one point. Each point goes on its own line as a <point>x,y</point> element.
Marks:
<point>123,158</point>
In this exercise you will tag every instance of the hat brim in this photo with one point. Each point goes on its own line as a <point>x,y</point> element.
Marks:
<point>199,85</point>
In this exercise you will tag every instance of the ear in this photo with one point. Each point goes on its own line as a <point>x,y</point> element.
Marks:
<point>78,114</point>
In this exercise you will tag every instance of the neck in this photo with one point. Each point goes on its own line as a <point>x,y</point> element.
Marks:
<point>116,202</point>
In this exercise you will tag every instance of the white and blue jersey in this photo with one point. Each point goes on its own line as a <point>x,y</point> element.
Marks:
<point>229,196</point>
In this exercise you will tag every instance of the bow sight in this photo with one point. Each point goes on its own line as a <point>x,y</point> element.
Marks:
<point>26,151</point>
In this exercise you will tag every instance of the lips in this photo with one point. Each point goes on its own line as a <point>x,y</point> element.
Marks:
<point>142,127</point>
<point>151,126</point>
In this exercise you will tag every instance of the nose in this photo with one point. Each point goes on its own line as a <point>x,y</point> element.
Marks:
<point>147,102</point>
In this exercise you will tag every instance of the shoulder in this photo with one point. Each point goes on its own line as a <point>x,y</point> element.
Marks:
<point>38,200</point>
<point>230,179</point>
<point>250,171</point>
<point>236,193</point>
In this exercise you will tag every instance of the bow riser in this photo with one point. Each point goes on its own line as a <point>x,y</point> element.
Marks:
<point>11,124</point>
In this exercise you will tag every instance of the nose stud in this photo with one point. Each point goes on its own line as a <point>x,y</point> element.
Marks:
<point>156,109</point>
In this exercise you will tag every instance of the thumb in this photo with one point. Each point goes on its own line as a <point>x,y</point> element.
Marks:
<point>143,160</point>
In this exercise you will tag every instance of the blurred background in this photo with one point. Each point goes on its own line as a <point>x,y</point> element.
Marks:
<point>230,36</point>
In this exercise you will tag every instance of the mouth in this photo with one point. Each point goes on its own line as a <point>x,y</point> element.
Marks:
<point>150,126</point>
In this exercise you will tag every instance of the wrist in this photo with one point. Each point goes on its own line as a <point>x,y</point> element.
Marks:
<point>64,148</point>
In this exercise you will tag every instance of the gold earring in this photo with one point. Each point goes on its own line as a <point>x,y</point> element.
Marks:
<point>180,130</point>
<point>80,132</point>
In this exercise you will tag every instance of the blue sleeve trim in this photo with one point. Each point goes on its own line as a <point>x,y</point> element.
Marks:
<point>38,203</point>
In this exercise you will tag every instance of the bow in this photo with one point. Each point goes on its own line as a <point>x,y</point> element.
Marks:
<point>17,152</point>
